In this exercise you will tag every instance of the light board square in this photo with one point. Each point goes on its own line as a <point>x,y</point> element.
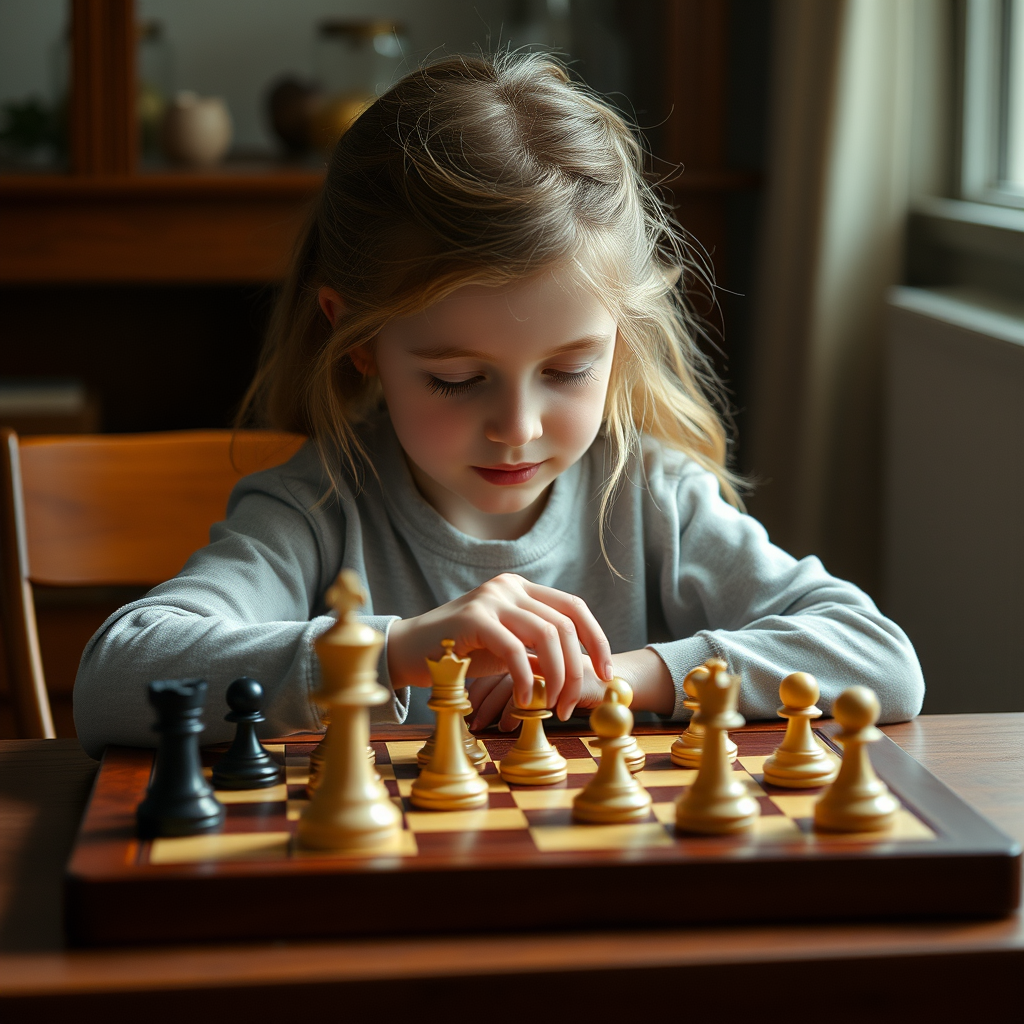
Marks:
<point>404,751</point>
<point>226,846</point>
<point>906,828</point>
<point>667,777</point>
<point>270,795</point>
<point>796,805</point>
<point>665,813</point>
<point>495,783</point>
<point>655,744</point>
<point>483,820</point>
<point>544,799</point>
<point>403,844</point>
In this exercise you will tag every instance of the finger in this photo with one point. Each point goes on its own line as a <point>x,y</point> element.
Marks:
<point>572,656</point>
<point>587,627</point>
<point>543,636</point>
<point>503,642</point>
<point>493,703</point>
<point>478,688</point>
<point>508,723</point>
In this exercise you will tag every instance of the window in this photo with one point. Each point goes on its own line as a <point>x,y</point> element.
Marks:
<point>992,124</point>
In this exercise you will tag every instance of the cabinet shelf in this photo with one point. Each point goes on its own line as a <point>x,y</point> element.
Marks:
<point>221,226</point>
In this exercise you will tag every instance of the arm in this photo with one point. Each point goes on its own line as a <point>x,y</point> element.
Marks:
<point>241,606</point>
<point>728,592</point>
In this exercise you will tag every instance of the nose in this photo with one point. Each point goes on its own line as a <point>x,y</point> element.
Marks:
<point>514,420</point>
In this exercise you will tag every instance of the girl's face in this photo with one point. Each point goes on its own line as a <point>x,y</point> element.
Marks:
<point>493,392</point>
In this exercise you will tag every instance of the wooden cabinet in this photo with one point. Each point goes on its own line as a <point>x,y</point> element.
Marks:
<point>107,222</point>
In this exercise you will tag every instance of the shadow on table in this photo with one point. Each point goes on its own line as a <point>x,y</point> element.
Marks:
<point>44,785</point>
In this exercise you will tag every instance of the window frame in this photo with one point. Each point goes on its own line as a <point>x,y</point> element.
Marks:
<point>985,40</point>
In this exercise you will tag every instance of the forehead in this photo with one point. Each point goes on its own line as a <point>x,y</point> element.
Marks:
<point>546,310</point>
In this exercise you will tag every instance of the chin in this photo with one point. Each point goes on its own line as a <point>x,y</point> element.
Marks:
<point>504,504</point>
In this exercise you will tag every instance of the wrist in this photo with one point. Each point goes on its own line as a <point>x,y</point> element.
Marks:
<point>398,668</point>
<point>649,678</point>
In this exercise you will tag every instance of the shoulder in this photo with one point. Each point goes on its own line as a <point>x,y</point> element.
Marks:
<point>304,482</point>
<point>674,481</point>
<point>299,482</point>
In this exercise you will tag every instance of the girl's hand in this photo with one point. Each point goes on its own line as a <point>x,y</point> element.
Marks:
<point>498,626</point>
<point>491,696</point>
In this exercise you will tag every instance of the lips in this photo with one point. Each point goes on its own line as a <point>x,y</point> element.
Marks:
<point>504,476</point>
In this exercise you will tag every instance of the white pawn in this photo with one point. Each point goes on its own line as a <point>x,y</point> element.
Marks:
<point>635,758</point>
<point>613,796</point>
<point>858,801</point>
<point>799,762</point>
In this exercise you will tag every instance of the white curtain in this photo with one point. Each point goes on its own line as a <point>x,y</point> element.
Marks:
<point>836,203</point>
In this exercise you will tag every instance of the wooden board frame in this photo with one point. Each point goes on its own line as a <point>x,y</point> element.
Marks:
<point>969,870</point>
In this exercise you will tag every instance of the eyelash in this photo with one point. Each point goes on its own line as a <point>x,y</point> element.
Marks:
<point>451,389</point>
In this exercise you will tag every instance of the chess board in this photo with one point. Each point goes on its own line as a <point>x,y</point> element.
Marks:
<point>522,862</point>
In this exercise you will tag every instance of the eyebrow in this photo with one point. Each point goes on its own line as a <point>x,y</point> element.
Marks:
<point>440,352</point>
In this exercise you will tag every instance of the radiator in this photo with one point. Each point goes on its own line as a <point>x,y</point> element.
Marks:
<point>954,495</point>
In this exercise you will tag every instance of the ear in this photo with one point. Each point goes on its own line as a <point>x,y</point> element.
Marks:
<point>363,361</point>
<point>331,303</point>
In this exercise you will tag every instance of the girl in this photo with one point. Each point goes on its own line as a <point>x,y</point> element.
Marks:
<point>511,443</point>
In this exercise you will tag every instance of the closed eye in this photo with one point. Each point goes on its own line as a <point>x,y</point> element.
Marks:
<point>451,388</point>
<point>575,378</point>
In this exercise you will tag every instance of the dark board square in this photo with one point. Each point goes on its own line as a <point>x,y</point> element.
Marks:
<point>501,800</point>
<point>485,843</point>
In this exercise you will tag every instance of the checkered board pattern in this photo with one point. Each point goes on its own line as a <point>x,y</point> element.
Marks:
<point>524,820</point>
<point>448,871</point>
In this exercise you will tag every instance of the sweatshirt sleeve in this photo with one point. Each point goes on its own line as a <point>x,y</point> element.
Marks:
<point>243,605</point>
<point>728,592</point>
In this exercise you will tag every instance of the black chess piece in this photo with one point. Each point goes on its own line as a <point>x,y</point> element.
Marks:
<point>179,800</point>
<point>247,764</point>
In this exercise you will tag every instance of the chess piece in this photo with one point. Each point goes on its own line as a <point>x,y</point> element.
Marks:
<point>634,757</point>
<point>717,802</point>
<point>179,800</point>
<point>858,801</point>
<point>448,782</point>
<point>316,760</point>
<point>799,762</point>
<point>686,751</point>
<point>612,796</point>
<point>350,809</point>
<point>475,750</point>
<point>247,764</point>
<point>532,761</point>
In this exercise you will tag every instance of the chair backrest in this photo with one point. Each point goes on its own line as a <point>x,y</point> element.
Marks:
<point>107,510</point>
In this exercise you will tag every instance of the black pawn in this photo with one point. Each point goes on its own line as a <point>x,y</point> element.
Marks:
<point>247,764</point>
<point>179,801</point>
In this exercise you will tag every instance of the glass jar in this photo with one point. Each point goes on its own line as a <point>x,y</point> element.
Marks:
<point>355,61</point>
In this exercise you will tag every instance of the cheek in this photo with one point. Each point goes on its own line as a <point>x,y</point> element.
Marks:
<point>426,428</point>
<point>579,417</point>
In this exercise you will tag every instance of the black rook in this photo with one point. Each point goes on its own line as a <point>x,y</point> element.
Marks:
<point>179,801</point>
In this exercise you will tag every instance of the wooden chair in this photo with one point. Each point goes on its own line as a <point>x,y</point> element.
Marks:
<point>106,510</point>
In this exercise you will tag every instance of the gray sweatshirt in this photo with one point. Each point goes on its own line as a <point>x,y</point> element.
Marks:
<point>698,579</point>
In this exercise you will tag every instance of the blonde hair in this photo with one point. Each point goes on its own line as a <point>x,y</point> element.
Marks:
<point>489,170</point>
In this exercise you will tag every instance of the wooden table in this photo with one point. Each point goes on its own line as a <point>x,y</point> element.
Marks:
<point>934,971</point>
